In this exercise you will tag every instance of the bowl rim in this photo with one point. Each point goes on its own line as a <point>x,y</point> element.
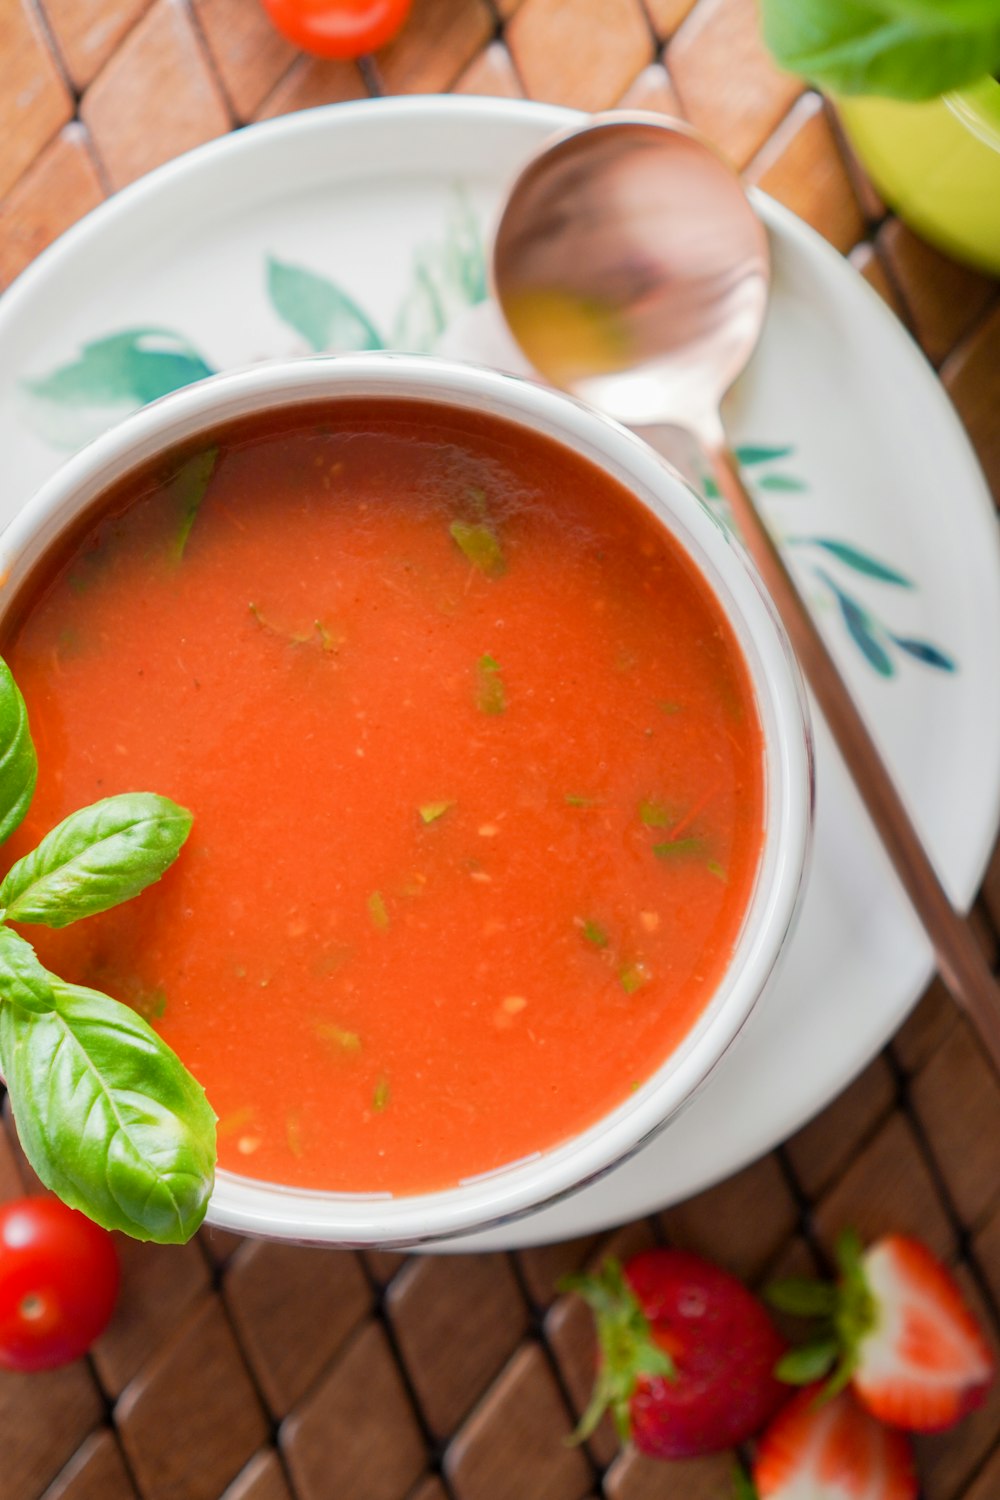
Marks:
<point>248,1206</point>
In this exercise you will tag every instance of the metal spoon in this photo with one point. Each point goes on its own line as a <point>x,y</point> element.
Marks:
<point>632,270</point>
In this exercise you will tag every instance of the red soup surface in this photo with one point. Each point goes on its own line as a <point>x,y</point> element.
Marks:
<point>476,774</point>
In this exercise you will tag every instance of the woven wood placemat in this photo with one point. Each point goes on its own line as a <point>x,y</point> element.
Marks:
<point>261,1372</point>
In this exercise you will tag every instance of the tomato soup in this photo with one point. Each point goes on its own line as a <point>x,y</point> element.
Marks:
<point>476,773</point>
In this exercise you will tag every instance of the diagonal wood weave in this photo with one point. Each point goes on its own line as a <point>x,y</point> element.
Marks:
<point>257,1372</point>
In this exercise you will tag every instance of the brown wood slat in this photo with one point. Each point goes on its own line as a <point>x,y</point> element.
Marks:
<point>161,72</point>
<point>59,187</point>
<point>196,1385</point>
<point>513,1446</point>
<point>584,56</point>
<point>802,167</point>
<point>87,32</point>
<point>95,1472</point>
<point>944,299</point>
<point>293,1308</point>
<point>44,1418</point>
<point>888,1187</point>
<point>457,1320</point>
<point>249,54</point>
<point>727,85</point>
<point>384,1369</point>
<point>356,1435</point>
<point>159,1285</point>
<point>34,99</point>
<point>262,1479</point>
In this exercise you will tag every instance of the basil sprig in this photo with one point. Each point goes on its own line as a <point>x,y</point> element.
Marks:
<point>108,1115</point>
<point>904,49</point>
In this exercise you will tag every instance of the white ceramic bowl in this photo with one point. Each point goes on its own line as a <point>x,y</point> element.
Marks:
<point>252,1207</point>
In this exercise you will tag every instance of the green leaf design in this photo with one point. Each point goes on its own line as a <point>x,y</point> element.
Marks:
<point>319,310</point>
<point>108,1116</point>
<point>448,276</point>
<point>854,557</point>
<point>131,367</point>
<point>785,484</point>
<point>924,652</point>
<point>18,763</point>
<point>23,980</point>
<point>905,49</point>
<point>748,454</point>
<point>95,859</point>
<point>861,627</point>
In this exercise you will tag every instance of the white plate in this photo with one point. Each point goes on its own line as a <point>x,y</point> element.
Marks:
<point>372,218</point>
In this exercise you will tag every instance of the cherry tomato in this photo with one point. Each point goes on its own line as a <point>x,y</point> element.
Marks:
<point>58,1283</point>
<point>338,28</point>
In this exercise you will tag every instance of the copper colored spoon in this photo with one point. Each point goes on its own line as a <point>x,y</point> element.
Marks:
<point>633,271</point>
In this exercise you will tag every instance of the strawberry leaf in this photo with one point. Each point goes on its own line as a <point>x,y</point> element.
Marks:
<point>802,1297</point>
<point>743,1486</point>
<point>808,1363</point>
<point>628,1350</point>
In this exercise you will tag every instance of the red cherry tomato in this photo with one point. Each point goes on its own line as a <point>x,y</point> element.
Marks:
<point>58,1283</point>
<point>338,28</point>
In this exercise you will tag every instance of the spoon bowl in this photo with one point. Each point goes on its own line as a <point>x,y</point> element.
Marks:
<point>633,271</point>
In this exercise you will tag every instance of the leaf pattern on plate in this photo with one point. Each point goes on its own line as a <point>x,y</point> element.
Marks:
<point>108,378</point>
<point>448,276</point>
<point>877,643</point>
<point>321,311</point>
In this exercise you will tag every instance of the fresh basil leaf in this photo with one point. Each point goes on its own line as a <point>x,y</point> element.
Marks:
<point>108,1116</point>
<point>905,49</point>
<point>23,980</point>
<point>95,859</point>
<point>185,491</point>
<point>18,763</point>
<point>491,696</point>
<point>479,545</point>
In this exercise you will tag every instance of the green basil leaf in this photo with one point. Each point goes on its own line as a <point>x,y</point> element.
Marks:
<point>23,980</point>
<point>18,764</point>
<point>108,1116</point>
<point>906,49</point>
<point>185,491</point>
<point>95,859</point>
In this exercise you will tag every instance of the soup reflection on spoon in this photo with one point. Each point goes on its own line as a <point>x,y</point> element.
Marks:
<point>633,271</point>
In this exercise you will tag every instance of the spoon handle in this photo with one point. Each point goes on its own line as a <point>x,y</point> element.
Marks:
<point>960,960</point>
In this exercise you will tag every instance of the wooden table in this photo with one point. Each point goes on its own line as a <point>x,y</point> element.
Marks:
<point>259,1372</point>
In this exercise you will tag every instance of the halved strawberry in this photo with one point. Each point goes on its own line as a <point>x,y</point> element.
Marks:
<point>896,1327</point>
<point>687,1354</point>
<point>924,1363</point>
<point>822,1449</point>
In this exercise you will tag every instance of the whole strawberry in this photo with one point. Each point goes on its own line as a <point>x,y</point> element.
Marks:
<point>819,1448</point>
<point>895,1326</point>
<point>687,1354</point>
